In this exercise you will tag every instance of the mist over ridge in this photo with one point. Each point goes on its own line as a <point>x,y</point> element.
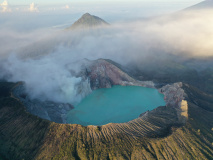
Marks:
<point>42,58</point>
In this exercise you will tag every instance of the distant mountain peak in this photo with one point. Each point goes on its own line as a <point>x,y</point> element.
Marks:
<point>86,15</point>
<point>88,21</point>
<point>207,4</point>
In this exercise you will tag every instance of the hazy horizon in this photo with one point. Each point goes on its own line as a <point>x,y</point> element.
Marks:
<point>37,43</point>
<point>42,56</point>
<point>38,14</point>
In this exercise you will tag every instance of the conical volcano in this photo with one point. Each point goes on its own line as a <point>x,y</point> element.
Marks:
<point>88,21</point>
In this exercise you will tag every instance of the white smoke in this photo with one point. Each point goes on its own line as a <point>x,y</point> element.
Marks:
<point>44,57</point>
<point>5,7</point>
<point>33,8</point>
<point>47,78</point>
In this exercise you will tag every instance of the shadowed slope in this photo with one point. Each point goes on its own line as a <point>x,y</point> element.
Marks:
<point>21,134</point>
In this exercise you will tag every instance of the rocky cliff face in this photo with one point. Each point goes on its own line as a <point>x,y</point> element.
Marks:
<point>103,74</point>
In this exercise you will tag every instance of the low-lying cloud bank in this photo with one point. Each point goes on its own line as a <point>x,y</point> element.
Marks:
<point>40,58</point>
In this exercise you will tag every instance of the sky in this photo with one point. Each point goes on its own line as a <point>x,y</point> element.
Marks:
<point>37,14</point>
<point>48,2</point>
<point>118,2</point>
<point>143,8</point>
<point>151,6</point>
<point>62,13</point>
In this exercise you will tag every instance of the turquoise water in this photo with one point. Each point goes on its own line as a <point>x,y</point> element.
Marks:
<point>115,105</point>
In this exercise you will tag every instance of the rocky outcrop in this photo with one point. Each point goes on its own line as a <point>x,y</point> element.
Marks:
<point>183,112</point>
<point>103,74</point>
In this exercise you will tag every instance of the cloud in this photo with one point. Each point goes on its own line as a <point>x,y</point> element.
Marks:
<point>55,79</point>
<point>33,8</point>
<point>44,59</point>
<point>5,7</point>
<point>67,7</point>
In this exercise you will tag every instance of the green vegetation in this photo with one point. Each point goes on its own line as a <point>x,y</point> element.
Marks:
<point>24,136</point>
<point>21,134</point>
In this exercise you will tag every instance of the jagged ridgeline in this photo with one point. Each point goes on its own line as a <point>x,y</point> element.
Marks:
<point>88,21</point>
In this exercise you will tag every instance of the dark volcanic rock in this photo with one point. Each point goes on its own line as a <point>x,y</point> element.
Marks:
<point>88,21</point>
